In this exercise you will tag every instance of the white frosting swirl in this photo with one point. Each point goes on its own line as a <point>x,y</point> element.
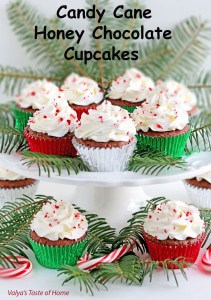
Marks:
<point>206,176</point>
<point>81,90</point>
<point>59,220</point>
<point>106,123</point>
<point>9,175</point>
<point>182,95</point>
<point>133,86</point>
<point>36,94</point>
<point>159,113</point>
<point>56,119</point>
<point>174,220</point>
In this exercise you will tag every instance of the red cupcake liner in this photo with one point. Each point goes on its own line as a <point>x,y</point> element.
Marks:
<point>54,146</point>
<point>187,253</point>
<point>83,109</point>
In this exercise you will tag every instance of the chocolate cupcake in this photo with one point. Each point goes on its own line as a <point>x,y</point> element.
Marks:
<point>13,186</point>
<point>199,190</point>
<point>174,230</point>
<point>82,93</point>
<point>162,124</point>
<point>50,130</point>
<point>130,90</point>
<point>58,235</point>
<point>181,94</point>
<point>105,138</point>
<point>32,98</point>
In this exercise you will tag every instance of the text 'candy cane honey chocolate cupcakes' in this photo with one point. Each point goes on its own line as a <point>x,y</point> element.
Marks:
<point>13,186</point>
<point>162,124</point>
<point>105,138</point>
<point>130,90</point>
<point>58,235</point>
<point>174,230</point>
<point>32,98</point>
<point>82,93</point>
<point>199,190</point>
<point>50,130</point>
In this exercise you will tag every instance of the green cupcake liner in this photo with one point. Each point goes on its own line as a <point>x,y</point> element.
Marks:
<point>173,145</point>
<point>54,257</point>
<point>21,118</point>
<point>130,109</point>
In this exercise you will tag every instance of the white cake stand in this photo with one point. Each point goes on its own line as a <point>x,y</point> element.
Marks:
<point>112,195</point>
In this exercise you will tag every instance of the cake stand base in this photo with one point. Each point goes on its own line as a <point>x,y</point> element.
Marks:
<point>116,204</point>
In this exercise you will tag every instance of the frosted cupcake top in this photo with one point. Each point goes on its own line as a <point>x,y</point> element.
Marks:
<point>81,90</point>
<point>36,94</point>
<point>59,220</point>
<point>106,123</point>
<point>206,176</point>
<point>174,220</point>
<point>183,96</point>
<point>159,113</point>
<point>56,119</point>
<point>133,86</point>
<point>9,175</point>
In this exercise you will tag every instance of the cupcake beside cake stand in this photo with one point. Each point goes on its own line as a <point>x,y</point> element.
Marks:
<point>113,195</point>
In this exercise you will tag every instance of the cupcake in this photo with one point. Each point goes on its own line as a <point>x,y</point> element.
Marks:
<point>50,130</point>
<point>32,98</point>
<point>130,90</point>
<point>174,230</point>
<point>58,235</point>
<point>82,93</point>
<point>105,138</point>
<point>182,95</point>
<point>162,124</point>
<point>199,190</point>
<point>13,186</point>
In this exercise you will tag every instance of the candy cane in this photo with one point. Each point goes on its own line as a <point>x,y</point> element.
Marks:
<point>86,263</point>
<point>206,260</point>
<point>24,267</point>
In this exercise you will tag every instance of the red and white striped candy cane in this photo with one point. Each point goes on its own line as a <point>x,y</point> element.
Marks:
<point>85,263</point>
<point>23,267</point>
<point>206,260</point>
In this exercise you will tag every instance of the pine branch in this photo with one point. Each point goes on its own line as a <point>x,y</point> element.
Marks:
<point>15,219</point>
<point>132,234</point>
<point>6,115</point>
<point>200,84</point>
<point>206,216</point>
<point>189,49</point>
<point>23,18</point>
<point>100,234</point>
<point>152,162</point>
<point>11,139</point>
<point>52,163</point>
<point>13,80</point>
<point>200,138</point>
<point>129,269</point>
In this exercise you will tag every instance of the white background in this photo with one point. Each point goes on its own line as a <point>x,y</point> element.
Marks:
<point>165,13</point>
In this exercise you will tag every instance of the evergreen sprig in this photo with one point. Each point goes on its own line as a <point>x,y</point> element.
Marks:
<point>15,219</point>
<point>11,139</point>
<point>206,216</point>
<point>153,162</point>
<point>132,234</point>
<point>101,235</point>
<point>53,163</point>
<point>6,114</point>
<point>129,269</point>
<point>200,138</point>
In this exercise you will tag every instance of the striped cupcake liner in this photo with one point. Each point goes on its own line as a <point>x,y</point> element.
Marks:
<point>21,118</point>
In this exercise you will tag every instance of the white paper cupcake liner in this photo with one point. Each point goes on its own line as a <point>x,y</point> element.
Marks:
<point>10,195</point>
<point>199,197</point>
<point>106,160</point>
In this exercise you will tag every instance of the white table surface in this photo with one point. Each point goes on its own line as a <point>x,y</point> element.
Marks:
<point>41,279</point>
